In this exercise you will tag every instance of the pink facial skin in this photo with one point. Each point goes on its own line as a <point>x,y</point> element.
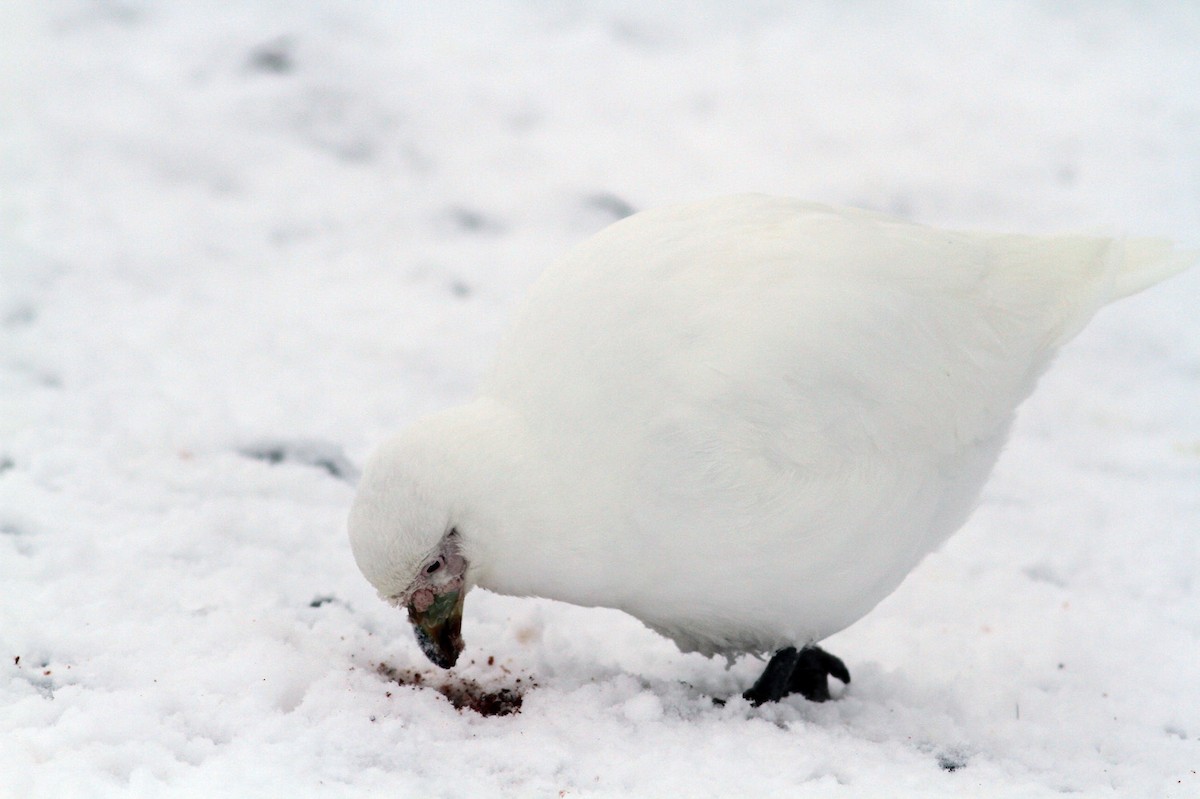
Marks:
<point>421,600</point>
<point>426,587</point>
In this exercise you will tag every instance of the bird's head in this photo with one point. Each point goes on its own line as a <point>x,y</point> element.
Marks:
<point>405,541</point>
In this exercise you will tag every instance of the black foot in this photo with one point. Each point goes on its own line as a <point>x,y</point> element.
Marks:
<point>776,678</point>
<point>805,672</point>
<point>813,669</point>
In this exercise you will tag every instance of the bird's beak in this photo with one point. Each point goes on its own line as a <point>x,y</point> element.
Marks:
<point>439,628</point>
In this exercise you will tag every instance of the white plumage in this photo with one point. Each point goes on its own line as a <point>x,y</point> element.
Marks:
<point>742,421</point>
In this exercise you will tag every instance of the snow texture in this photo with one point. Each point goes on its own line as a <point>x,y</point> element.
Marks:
<point>242,243</point>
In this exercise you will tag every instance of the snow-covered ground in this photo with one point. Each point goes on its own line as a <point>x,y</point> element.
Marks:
<point>275,231</point>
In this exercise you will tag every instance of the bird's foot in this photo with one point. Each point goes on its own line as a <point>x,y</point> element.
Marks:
<point>810,677</point>
<point>805,672</point>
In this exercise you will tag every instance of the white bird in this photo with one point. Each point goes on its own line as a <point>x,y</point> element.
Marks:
<point>741,421</point>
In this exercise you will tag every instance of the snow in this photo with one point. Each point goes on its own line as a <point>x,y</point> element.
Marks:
<point>230,233</point>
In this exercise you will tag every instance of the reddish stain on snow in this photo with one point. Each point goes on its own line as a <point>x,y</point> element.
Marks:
<point>463,693</point>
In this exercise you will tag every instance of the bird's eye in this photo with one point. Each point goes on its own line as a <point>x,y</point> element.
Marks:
<point>432,567</point>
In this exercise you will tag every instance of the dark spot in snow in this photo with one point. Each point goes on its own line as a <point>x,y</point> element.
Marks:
<point>635,34</point>
<point>951,761</point>
<point>271,456</point>
<point>19,533</point>
<point>471,220</point>
<point>319,454</point>
<point>17,660</point>
<point>6,463</point>
<point>356,150</point>
<point>1044,573</point>
<point>462,693</point>
<point>321,600</point>
<point>37,375</point>
<point>460,289</point>
<point>19,315</point>
<point>41,678</point>
<point>610,204</point>
<point>468,220</point>
<point>274,57</point>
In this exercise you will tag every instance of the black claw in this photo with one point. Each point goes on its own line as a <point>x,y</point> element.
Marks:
<point>832,664</point>
<point>773,685</point>
<point>805,672</point>
<point>810,678</point>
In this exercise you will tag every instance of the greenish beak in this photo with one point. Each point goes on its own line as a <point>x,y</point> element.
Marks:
<point>439,628</point>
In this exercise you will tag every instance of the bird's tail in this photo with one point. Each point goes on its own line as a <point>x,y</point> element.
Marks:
<point>1064,280</point>
<point>1142,262</point>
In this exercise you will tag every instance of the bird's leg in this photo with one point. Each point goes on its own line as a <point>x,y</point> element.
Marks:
<point>774,684</point>
<point>810,676</point>
<point>805,672</point>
